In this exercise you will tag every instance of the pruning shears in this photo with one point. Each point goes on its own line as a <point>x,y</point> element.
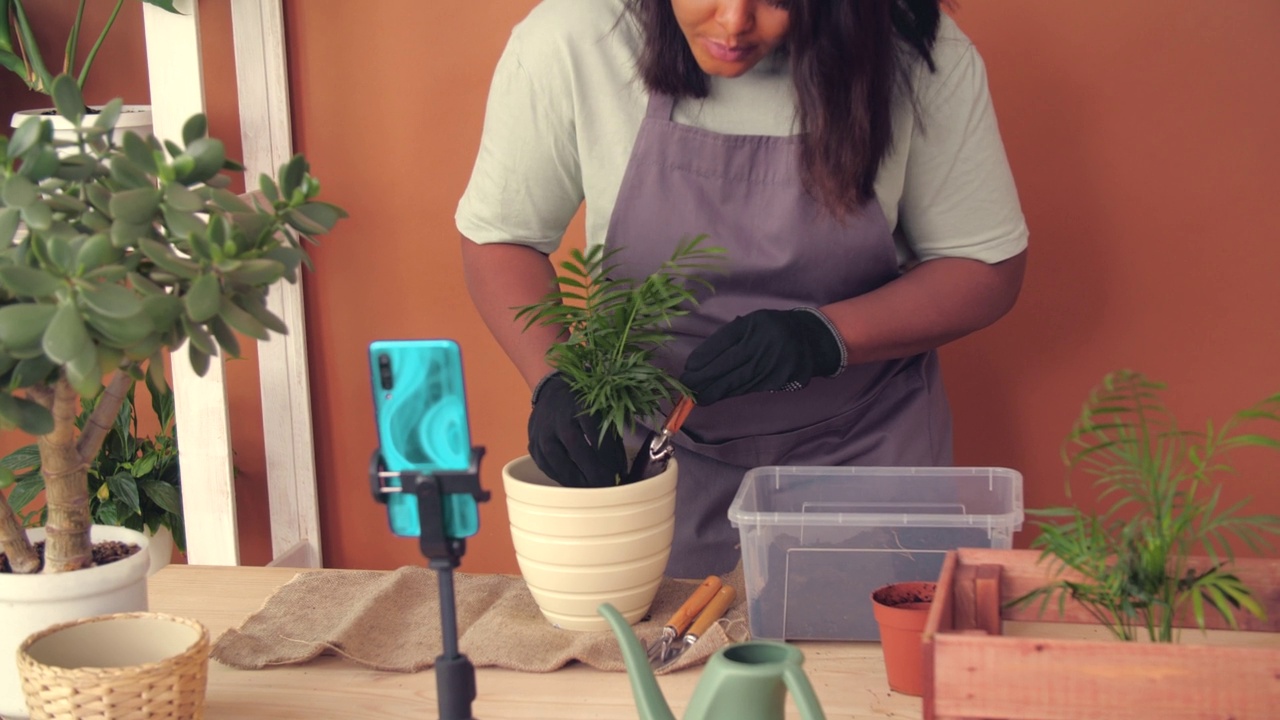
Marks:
<point>657,448</point>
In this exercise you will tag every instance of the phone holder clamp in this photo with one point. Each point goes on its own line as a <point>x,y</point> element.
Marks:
<point>441,550</point>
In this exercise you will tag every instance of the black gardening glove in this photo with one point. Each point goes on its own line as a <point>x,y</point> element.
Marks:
<point>565,442</point>
<point>764,350</point>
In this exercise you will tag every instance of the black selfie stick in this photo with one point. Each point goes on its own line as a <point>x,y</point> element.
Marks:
<point>455,675</point>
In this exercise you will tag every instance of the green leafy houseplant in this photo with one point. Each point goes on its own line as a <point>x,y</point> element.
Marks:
<point>613,328</point>
<point>134,481</point>
<point>1160,502</point>
<point>132,248</point>
<point>20,53</point>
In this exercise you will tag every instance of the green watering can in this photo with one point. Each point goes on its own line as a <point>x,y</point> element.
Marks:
<point>743,681</point>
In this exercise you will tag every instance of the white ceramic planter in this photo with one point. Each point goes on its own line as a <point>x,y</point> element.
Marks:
<point>30,603</point>
<point>160,547</point>
<point>136,118</point>
<point>580,547</point>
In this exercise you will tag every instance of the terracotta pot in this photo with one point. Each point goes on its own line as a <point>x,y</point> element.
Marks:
<point>901,610</point>
<point>581,547</point>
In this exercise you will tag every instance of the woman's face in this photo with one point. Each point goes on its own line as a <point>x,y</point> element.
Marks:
<point>729,37</point>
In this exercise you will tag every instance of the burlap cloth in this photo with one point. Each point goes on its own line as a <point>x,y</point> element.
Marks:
<point>391,621</point>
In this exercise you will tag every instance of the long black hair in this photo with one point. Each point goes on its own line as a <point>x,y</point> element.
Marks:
<point>849,60</point>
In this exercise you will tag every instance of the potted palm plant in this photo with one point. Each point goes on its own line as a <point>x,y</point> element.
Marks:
<point>580,547</point>
<point>1161,504</point>
<point>20,52</point>
<point>130,248</point>
<point>1152,558</point>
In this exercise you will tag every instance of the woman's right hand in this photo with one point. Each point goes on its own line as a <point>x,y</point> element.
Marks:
<point>565,442</point>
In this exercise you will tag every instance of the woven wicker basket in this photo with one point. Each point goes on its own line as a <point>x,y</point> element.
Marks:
<point>126,666</point>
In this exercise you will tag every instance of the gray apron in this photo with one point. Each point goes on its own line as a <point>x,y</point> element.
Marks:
<point>783,251</point>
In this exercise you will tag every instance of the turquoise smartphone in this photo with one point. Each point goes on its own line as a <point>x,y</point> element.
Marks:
<point>420,407</point>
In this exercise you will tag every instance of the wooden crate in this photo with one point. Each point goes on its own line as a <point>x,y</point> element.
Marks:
<point>986,661</point>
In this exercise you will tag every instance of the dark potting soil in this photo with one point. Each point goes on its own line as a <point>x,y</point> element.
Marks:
<point>897,595</point>
<point>105,552</point>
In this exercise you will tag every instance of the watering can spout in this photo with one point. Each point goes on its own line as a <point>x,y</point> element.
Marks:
<point>650,703</point>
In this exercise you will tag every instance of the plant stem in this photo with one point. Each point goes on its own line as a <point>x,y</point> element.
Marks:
<point>93,52</point>
<point>69,58</point>
<point>1106,617</point>
<point>38,77</point>
<point>6,40</point>
<point>103,417</point>
<point>13,541</point>
<point>626,332</point>
<point>67,546</point>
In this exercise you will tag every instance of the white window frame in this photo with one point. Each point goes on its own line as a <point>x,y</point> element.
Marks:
<point>202,414</point>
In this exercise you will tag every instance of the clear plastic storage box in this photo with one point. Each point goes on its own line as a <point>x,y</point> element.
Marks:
<point>816,541</point>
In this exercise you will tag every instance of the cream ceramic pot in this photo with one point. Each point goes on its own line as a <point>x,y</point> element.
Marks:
<point>580,547</point>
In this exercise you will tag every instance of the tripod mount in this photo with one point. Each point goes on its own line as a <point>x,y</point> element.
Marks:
<point>443,541</point>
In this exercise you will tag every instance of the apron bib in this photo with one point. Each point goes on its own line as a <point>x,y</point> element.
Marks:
<point>783,250</point>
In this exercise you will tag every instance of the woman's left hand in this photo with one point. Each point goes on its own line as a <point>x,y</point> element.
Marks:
<point>765,350</point>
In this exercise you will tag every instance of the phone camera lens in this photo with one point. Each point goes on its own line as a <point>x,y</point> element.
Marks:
<point>384,371</point>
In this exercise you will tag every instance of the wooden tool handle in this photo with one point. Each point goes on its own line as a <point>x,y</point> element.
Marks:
<point>713,612</point>
<point>681,618</point>
<point>678,415</point>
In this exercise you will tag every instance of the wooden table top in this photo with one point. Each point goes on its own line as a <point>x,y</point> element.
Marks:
<point>848,677</point>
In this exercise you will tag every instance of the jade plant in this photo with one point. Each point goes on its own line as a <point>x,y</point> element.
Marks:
<point>613,328</point>
<point>1159,503</point>
<point>114,250</point>
<point>20,53</point>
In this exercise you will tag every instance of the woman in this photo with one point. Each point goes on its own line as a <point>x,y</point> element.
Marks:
<point>846,155</point>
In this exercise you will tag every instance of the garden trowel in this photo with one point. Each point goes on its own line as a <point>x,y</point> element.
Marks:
<point>657,448</point>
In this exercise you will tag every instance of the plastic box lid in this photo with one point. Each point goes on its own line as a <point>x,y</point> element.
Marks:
<point>879,496</point>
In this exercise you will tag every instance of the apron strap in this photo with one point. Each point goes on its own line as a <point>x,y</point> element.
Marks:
<point>660,106</point>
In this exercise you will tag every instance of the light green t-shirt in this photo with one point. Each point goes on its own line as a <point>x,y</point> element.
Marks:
<point>566,103</point>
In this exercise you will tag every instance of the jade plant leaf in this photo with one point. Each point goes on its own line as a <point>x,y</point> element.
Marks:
<point>113,301</point>
<point>67,98</point>
<point>30,417</point>
<point>22,325</point>
<point>65,337</point>
<point>204,298</point>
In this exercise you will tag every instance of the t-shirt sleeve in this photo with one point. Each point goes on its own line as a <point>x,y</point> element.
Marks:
<point>526,184</point>
<point>959,197</point>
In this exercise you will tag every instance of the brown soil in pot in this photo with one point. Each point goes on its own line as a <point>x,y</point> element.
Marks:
<point>905,594</point>
<point>104,553</point>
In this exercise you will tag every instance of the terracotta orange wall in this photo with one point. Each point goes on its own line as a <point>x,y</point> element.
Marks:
<point>1143,138</point>
<point>1142,135</point>
<point>390,125</point>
